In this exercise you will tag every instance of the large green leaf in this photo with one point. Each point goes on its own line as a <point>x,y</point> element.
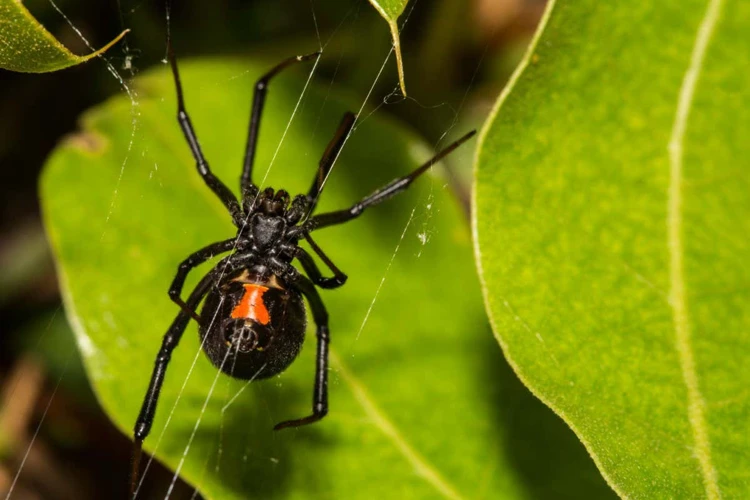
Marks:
<point>612,221</point>
<point>29,48</point>
<point>391,10</point>
<point>422,404</point>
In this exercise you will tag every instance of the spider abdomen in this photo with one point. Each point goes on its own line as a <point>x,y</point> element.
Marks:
<point>252,326</point>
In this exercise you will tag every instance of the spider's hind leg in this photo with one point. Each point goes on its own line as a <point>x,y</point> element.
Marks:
<point>169,343</point>
<point>320,388</point>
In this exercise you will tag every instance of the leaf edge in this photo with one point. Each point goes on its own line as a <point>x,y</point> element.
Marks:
<point>482,137</point>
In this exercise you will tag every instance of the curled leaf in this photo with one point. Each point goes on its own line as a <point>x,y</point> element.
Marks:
<point>27,47</point>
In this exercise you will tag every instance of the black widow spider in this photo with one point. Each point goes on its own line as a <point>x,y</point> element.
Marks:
<point>253,314</point>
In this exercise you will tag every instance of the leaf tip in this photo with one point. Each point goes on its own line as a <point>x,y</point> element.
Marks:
<point>106,47</point>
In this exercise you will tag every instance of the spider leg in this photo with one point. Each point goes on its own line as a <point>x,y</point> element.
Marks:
<point>187,265</point>
<point>259,99</point>
<point>320,390</point>
<point>169,342</point>
<point>329,158</point>
<point>308,264</point>
<point>213,182</point>
<point>392,188</point>
<point>312,270</point>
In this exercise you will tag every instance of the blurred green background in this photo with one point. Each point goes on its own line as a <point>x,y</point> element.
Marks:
<point>458,54</point>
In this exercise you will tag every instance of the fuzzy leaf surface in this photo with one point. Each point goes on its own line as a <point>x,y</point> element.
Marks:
<point>611,219</point>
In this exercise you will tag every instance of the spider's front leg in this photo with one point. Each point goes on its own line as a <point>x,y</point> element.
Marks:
<point>329,158</point>
<point>214,183</point>
<point>320,389</point>
<point>187,265</point>
<point>259,99</point>
<point>394,187</point>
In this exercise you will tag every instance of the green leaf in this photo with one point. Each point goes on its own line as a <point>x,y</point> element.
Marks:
<point>29,48</point>
<point>391,10</point>
<point>421,399</point>
<point>612,215</point>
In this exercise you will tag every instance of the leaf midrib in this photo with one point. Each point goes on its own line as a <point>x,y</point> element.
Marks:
<point>677,293</point>
<point>420,464</point>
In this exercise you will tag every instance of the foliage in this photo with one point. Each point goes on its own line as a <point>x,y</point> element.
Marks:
<point>612,215</point>
<point>28,48</point>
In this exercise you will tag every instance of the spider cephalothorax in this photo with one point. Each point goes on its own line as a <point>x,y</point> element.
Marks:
<point>277,203</point>
<point>252,323</point>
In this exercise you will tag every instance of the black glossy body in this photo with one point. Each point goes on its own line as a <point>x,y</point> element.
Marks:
<point>248,349</point>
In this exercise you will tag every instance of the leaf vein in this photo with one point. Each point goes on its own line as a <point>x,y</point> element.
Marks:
<point>423,469</point>
<point>677,293</point>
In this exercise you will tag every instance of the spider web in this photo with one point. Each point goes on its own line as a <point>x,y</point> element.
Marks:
<point>419,222</point>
